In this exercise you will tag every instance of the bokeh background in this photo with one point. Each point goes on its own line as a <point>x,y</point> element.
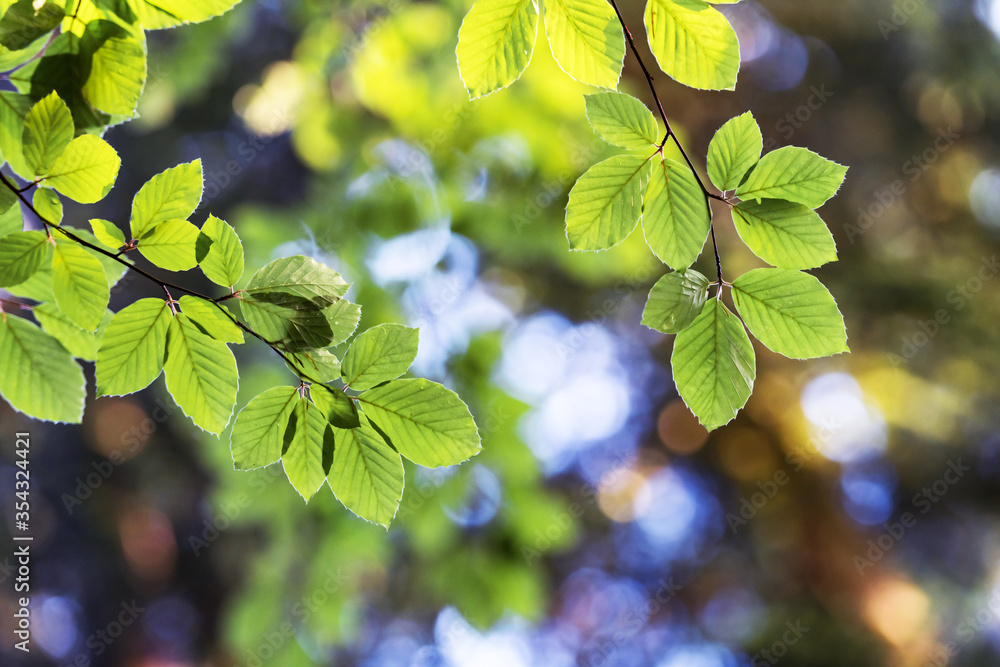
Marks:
<point>849,516</point>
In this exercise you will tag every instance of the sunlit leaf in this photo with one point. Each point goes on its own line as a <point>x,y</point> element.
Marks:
<point>133,348</point>
<point>367,475</point>
<point>171,245</point>
<point>791,313</point>
<point>675,218</point>
<point>714,365</point>
<point>318,365</point>
<point>24,22</point>
<point>48,130</point>
<point>259,430</point>
<point>201,375</point>
<point>222,259</point>
<point>495,44</point>
<point>785,234</point>
<point>79,343</point>
<point>606,202</point>
<point>210,318</point>
<point>21,255</point>
<point>796,174</point>
<point>340,409</point>
<point>308,448</point>
<point>734,149</point>
<point>427,423</point>
<point>107,233</point>
<point>117,68</point>
<point>622,120</point>
<point>48,204</point>
<point>86,170</point>
<point>378,355</point>
<point>79,283</point>
<point>693,43</point>
<point>38,376</point>
<point>586,40</point>
<point>675,301</point>
<point>173,194</point>
<point>154,15</point>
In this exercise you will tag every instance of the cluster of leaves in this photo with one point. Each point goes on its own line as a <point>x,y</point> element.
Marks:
<point>772,198</point>
<point>78,69</point>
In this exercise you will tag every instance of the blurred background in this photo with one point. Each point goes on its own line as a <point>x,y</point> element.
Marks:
<point>849,516</point>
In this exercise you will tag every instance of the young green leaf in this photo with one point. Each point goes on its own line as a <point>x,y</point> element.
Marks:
<point>170,13</point>
<point>133,348</point>
<point>210,319</point>
<point>675,301</point>
<point>14,108</point>
<point>86,170</point>
<point>378,355</point>
<point>79,343</point>
<point>25,21</point>
<point>495,44</point>
<point>113,269</point>
<point>38,376</point>
<point>791,313</point>
<point>11,219</point>
<point>171,245</point>
<point>693,43</point>
<point>302,277</point>
<point>107,233</point>
<point>785,234</point>
<point>606,202</point>
<point>48,204</point>
<point>367,475</point>
<point>428,424</point>
<point>21,255</point>
<point>586,40</point>
<point>796,174</point>
<point>220,252</point>
<point>48,130</point>
<point>201,375</point>
<point>676,218</point>
<point>342,318</point>
<point>621,120</point>
<point>308,448</point>
<point>319,365</point>
<point>714,365</point>
<point>117,68</point>
<point>259,430</point>
<point>339,409</point>
<point>79,283</point>
<point>734,149</point>
<point>173,194</point>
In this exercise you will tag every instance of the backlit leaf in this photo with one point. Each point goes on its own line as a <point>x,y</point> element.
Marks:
<point>367,475</point>
<point>586,40</point>
<point>606,202</point>
<point>796,174</point>
<point>495,44</point>
<point>133,348</point>
<point>693,43</point>
<point>259,430</point>
<point>201,375</point>
<point>676,218</point>
<point>675,301</point>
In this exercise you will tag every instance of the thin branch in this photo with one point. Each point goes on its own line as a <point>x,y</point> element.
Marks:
<point>670,131</point>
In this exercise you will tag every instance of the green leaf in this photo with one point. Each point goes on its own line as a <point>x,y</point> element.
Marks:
<point>77,342</point>
<point>38,376</point>
<point>11,220</point>
<point>117,68</point>
<point>79,283</point>
<point>14,109</point>
<point>295,302</point>
<point>23,23</point>
<point>796,174</point>
<point>133,348</point>
<point>586,40</point>
<point>606,202</point>
<point>221,259</point>
<point>714,365</point>
<point>339,408</point>
<point>113,269</point>
<point>622,120</point>
<point>791,313</point>
<point>318,365</point>
<point>675,301</point>
<point>259,430</point>
<point>37,287</point>
<point>693,43</point>
<point>785,234</point>
<point>428,424</point>
<point>86,171</point>
<point>211,319</point>
<point>48,130</point>
<point>495,44</point>
<point>734,149</point>
<point>49,205</point>
<point>21,255</point>
<point>173,194</point>
<point>676,218</point>
<point>201,375</point>
<point>171,245</point>
<point>157,14</point>
<point>378,355</point>
<point>107,233</point>
<point>308,445</point>
<point>367,475</point>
